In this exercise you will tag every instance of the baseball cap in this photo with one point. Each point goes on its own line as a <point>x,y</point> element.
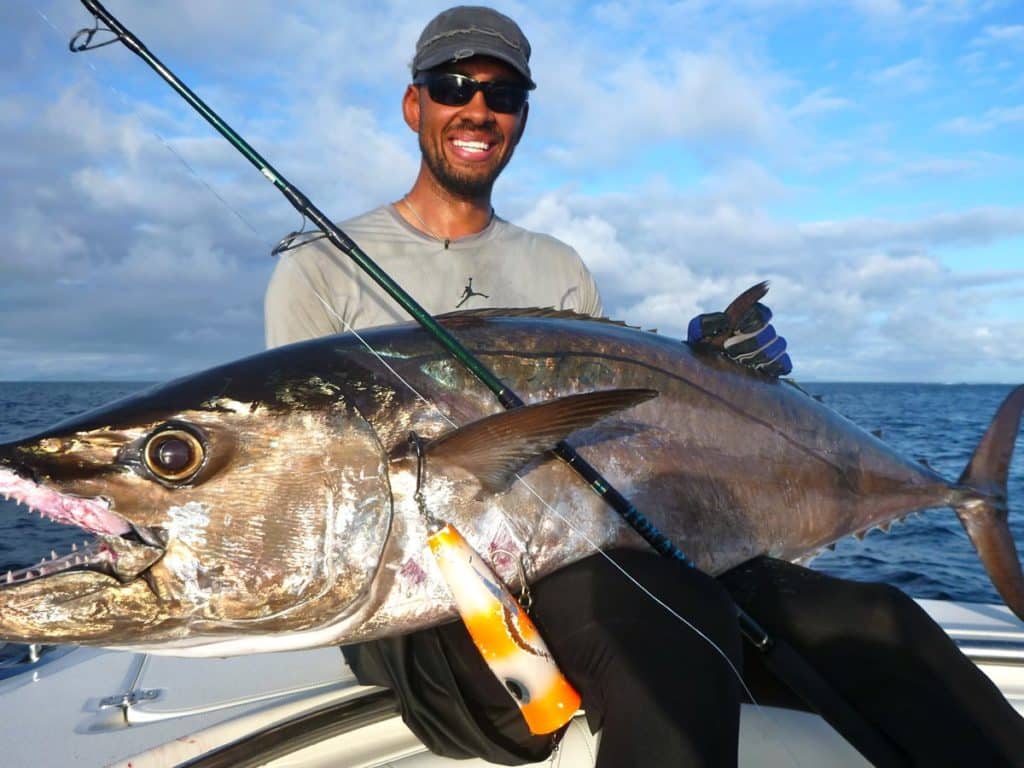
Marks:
<point>473,30</point>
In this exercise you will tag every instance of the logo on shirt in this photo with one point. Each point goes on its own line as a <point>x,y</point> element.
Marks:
<point>468,293</point>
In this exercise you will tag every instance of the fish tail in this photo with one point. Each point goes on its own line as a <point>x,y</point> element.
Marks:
<point>984,510</point>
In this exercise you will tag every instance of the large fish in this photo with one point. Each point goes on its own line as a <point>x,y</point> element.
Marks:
<point>271,503</point>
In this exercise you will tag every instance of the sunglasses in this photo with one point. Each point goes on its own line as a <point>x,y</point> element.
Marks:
<point>454,90</point>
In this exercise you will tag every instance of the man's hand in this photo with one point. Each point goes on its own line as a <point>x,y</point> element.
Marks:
<point>752,342</point>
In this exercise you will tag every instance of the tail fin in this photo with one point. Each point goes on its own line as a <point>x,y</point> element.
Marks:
<point>984,514</point>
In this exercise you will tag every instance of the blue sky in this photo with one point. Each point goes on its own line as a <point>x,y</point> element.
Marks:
<point>864,156</point>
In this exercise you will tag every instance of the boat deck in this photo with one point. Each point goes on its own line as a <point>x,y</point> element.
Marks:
<point>94,708</point>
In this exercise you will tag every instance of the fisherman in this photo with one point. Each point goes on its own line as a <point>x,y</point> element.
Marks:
<point>662,694</point>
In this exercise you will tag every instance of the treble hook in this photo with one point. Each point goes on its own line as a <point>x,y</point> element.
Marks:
<point>89,34</point>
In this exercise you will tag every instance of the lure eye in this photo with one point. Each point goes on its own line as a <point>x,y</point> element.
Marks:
<point>174,454</point>
<point>519,691</point>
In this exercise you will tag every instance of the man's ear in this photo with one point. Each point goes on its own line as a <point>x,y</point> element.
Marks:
<point>411,108</point>
<point>522,121</point>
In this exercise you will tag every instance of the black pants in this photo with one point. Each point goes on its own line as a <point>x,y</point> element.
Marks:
<point>883,654</point>
<point>665,697</point>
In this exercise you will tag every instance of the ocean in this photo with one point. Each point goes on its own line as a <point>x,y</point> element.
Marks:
<point>928,556</point>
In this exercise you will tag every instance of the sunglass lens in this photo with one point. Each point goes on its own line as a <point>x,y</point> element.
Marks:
<point>457,90</point>
<point>505,98</point>
<point>451,91</point>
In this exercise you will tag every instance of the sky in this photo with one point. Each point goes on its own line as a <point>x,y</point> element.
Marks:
<point>863,156</point>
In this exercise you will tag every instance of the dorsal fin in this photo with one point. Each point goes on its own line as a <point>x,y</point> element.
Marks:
<point>496,447</point>
<point>462,316</point>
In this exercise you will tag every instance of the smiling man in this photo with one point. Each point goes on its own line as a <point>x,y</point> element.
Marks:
<point>468,104</point>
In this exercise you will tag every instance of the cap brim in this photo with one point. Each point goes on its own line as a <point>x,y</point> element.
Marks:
<point>445,54</point>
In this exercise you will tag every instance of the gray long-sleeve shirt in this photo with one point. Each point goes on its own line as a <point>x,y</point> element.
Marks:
<point>316,291</point>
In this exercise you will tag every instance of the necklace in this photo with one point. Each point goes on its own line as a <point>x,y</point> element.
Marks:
<point>423,225</point>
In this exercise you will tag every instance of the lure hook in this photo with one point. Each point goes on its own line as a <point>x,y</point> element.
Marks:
<point>433,523</point>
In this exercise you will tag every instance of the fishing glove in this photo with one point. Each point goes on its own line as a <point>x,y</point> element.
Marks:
<point>752,343</point>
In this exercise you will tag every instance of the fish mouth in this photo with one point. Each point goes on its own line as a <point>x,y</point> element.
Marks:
<point>120,550</point>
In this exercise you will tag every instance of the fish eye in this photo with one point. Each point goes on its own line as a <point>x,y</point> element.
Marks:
<point>173,454</point>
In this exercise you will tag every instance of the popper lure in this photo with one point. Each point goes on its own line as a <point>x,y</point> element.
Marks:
<point>500,628</point>
<point>504,634</point>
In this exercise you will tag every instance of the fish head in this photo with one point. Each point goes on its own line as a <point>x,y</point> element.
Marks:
<point>238,502</point>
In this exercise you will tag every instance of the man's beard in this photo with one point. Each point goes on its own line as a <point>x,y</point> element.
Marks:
<point>466,186</point>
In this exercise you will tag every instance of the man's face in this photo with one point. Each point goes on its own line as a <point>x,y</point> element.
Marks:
<point>465,148</point>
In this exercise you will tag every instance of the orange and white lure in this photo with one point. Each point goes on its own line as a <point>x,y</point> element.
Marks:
<point>503,633</point>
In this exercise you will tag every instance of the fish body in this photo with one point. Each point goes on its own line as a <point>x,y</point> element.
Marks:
<point>271,503</point>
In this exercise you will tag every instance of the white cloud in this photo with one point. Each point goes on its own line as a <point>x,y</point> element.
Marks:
<point>820,102</point>
<point>683,148</point>
<point>625,106</point>
<point>990,120</point>
<point>846,294</point>
<point>1011,35</point>
<point>910,75</point>
<point>942,168</point>
<point>911,15</point>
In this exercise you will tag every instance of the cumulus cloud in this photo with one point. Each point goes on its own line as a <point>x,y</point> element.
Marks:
<point>859,300</point>
<point>702,98</point>
<point>681,148</point>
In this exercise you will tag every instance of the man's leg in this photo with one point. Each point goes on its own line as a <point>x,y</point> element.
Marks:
<point>886,656</point>
<point>662,694</point>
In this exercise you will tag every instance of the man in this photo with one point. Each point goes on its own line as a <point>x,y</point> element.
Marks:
<point>442,239</point>
<point>662,694</point>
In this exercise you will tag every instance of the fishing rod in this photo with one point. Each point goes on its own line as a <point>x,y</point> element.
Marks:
<point>82,41</point>
<point>797,673</point>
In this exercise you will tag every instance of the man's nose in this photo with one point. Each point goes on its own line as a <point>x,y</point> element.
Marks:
<point>477,107</point>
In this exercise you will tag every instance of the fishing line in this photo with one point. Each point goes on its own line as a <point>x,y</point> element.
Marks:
<point>544,503</point>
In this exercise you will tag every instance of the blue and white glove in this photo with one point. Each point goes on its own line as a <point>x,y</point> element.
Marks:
<point>752,343</point>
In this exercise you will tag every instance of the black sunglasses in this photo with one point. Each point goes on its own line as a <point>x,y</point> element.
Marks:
<point>455,90</point>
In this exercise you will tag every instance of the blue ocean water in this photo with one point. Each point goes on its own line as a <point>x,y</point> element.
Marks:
<point>928,556</point>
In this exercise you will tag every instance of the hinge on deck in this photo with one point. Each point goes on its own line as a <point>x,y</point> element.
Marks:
<point>128,700</point>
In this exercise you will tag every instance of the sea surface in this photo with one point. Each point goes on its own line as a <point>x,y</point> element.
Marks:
<point>929,555</point>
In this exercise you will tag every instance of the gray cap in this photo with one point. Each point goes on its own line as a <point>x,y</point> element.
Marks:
<point>472,30</point>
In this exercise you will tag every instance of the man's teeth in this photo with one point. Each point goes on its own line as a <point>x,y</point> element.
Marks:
<point>473,146</point>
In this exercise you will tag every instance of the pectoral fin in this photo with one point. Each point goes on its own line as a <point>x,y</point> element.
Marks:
<point>496,447</point>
